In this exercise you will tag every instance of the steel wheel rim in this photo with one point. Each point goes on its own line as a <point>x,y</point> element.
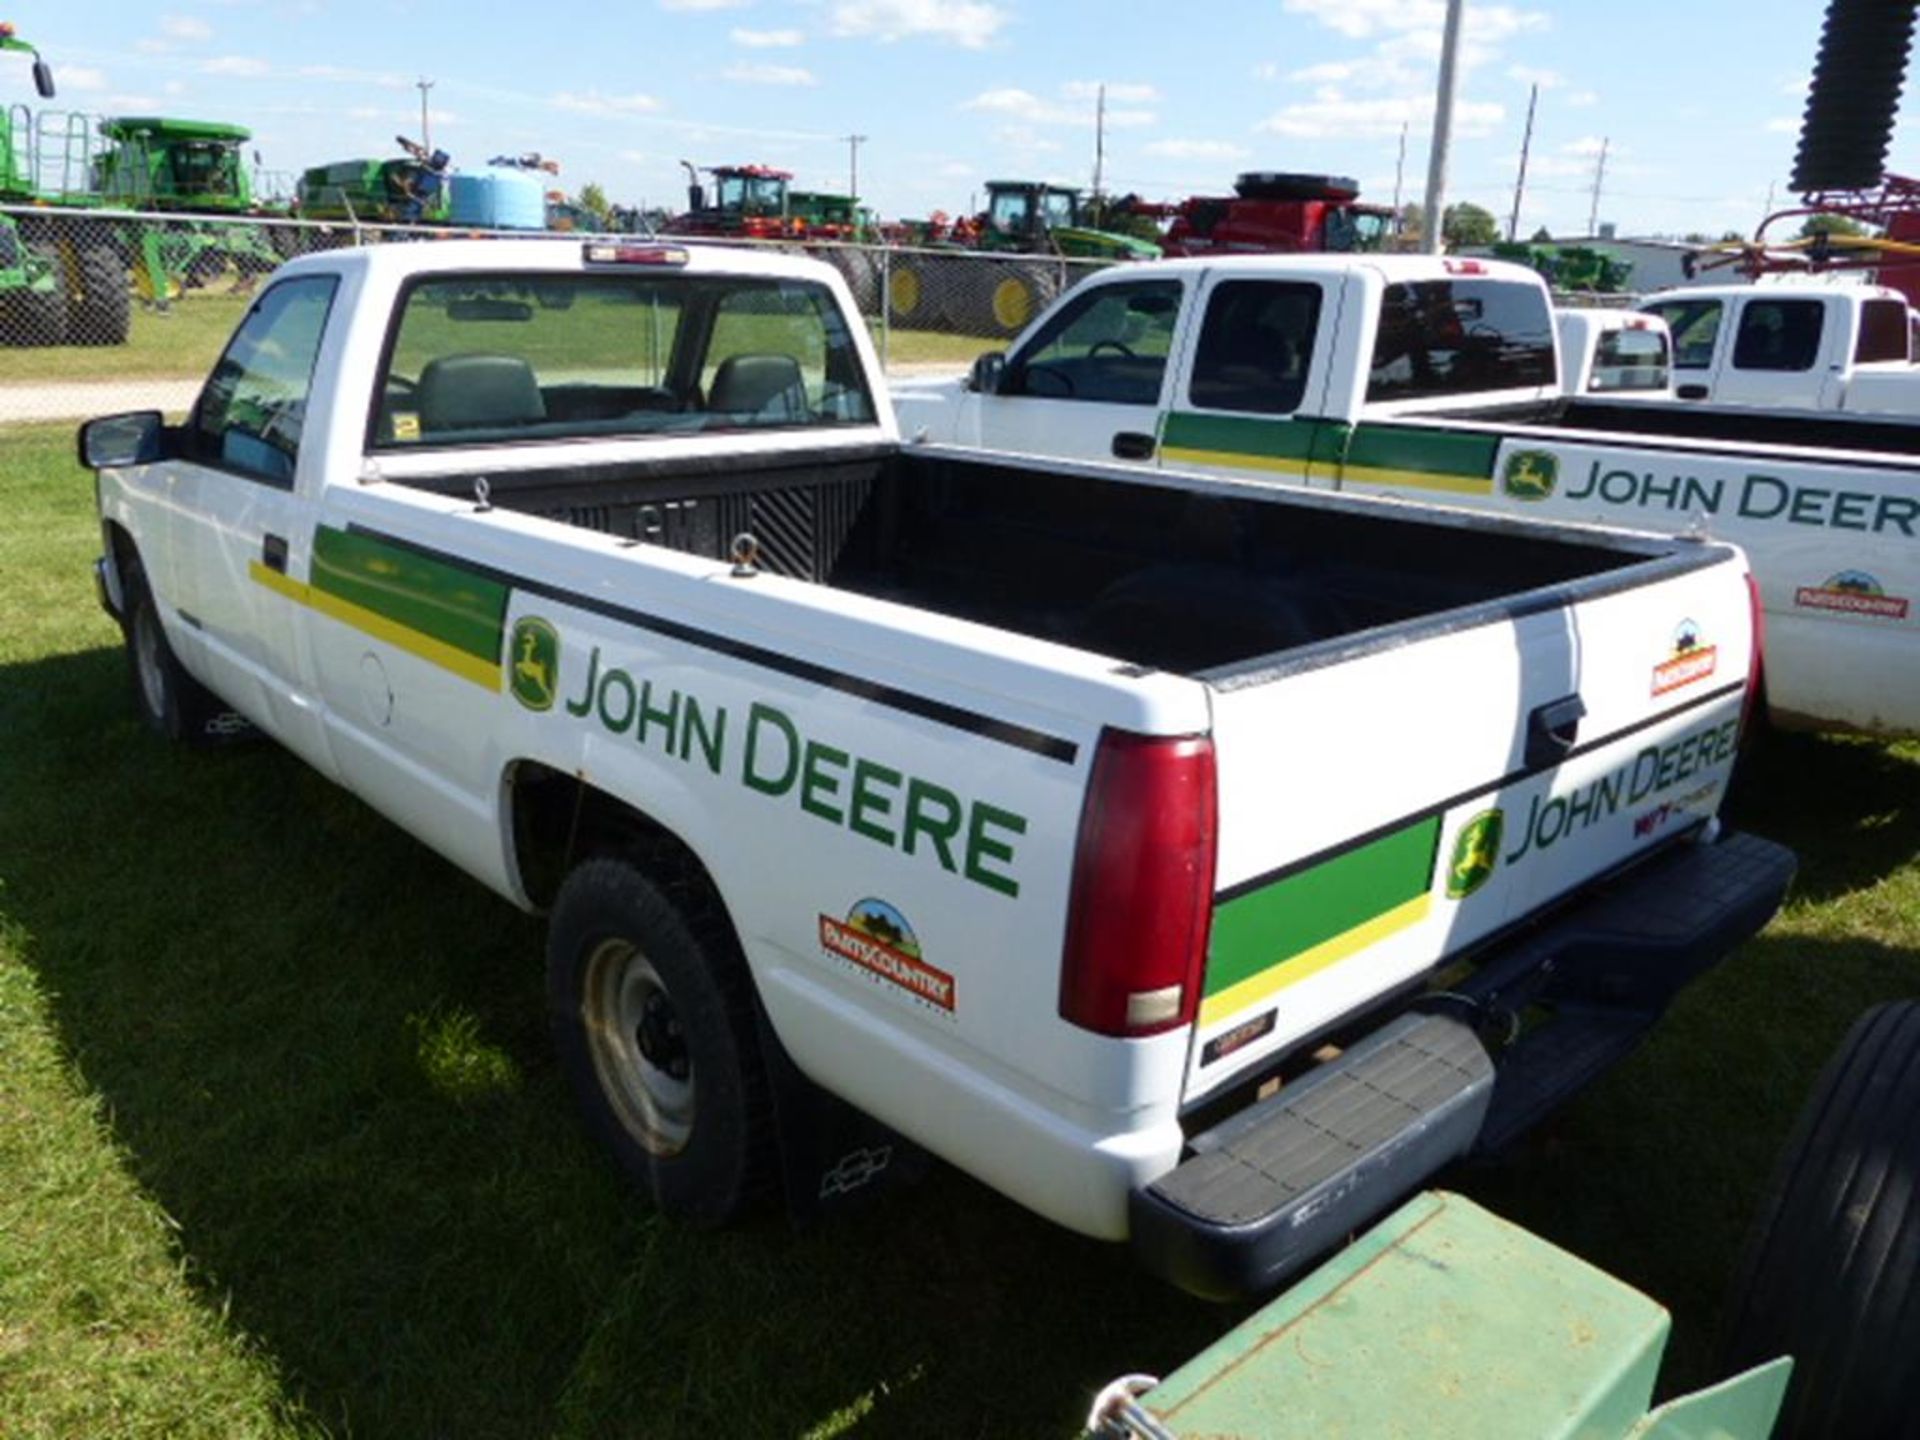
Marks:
<point>639,1047</point>
<point>146,660</point>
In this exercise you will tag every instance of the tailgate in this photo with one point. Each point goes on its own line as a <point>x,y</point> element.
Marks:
<point>1388,804</point>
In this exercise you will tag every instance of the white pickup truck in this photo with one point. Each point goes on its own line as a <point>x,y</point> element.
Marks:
<point>1787,345</point>
<point>1614,352</point>
<point>1438,379</point>
<point>1049,814</point>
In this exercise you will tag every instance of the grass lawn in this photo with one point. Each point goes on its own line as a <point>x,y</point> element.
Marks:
<point>283,1149</point>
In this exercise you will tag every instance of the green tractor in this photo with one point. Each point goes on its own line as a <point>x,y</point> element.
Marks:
<point>410,190</point>
<point>1044,225</point>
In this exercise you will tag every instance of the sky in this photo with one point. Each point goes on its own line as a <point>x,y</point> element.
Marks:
<point>1697,101</point>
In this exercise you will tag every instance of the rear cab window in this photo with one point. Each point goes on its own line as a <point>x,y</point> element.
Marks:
<point>1109,344</point>
<point>1883,333</point>
<point>477,359</point>
<point>1460,336</point>
<point>1695,325</point>
<point>1255,347</point>
<point>1631,359</point>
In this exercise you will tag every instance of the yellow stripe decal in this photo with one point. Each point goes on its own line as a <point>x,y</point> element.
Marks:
<point>1234,460</point>
<point>1256,988</point>
<point>485,674</point>
<point>1419,479</point>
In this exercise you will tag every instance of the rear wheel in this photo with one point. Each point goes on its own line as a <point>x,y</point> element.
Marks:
<point>913,293</point>
<point>102,307</point>
<point>1829,1272</point>
<point>35,314</point>
<point>652,1013</point>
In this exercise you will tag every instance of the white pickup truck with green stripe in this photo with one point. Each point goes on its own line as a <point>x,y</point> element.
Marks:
<point>1195,863</point>
<point>1438,379</point>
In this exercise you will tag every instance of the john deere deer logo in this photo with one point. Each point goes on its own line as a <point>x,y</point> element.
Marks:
<point>533,663</point>
<point>1530,474</point>
<point>1475,853</point>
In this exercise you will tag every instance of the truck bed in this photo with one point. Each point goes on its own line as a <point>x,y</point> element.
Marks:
<point>1682,420</point>
<point>1182,577</point>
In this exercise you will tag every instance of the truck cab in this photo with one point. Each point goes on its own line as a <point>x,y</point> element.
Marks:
<point>1796,345</point>
<point>1617,353</point>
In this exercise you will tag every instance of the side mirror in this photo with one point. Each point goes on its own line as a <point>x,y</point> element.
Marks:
<point>43,78</point>
<point>987,373</point>
<point>116,440</point>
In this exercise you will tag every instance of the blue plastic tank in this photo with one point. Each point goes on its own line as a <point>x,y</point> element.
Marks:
<point>497,198</point>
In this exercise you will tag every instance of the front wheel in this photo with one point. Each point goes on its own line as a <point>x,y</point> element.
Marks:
<point>652,1013</point>
<point>1830,1270</point>
<point>169,700</point>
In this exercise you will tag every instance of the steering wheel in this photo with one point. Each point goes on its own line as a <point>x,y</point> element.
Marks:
<point>1097,346</point>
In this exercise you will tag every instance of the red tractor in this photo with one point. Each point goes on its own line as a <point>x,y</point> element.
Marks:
<point>1272,213</point>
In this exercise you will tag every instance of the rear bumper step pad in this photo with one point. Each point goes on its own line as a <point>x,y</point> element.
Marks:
<point>1272,1186</point>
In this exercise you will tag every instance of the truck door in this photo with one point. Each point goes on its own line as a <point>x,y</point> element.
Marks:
<point>1250,397</point>
<point>234,529</point>
<point>1696,326</point>
<point>1777,344</point>
<point>1091,382</point>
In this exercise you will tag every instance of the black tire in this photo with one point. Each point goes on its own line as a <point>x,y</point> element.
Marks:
<point>35,317</point>
<point>861,272</point>
<point>102,311</point>
<point>914,292</point>
<point>653,1015</point>
<point>998,301</point>
<point>1829,1271</point>
<point>170,701</point>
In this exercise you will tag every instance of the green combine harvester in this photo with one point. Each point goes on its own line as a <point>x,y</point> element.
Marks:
<point>1024,218</point>
<point>409,190</point>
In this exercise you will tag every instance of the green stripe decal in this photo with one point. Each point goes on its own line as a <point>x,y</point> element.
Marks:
<point>1269,439</point>
<point>456,606</point>
<point>1271,925</point>
<point>1428,452</point>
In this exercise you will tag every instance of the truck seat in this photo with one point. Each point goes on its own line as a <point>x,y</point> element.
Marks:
<point>768,387</point>
<point>467,392</point>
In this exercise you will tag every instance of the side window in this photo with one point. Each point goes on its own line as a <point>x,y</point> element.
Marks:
<point>1452,337</point>
<point>1108,344</point>
<point>1256,343</point>
<point>1883,332</point>
<point>1630,360</point>
<point>1778,335</point>
<point>254,406</point>
<point>1695,325</point>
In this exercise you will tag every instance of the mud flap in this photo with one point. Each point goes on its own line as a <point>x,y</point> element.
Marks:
<point>833,1157</point>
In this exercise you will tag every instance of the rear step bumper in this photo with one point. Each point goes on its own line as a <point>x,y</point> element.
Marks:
<point>1276,1184</point>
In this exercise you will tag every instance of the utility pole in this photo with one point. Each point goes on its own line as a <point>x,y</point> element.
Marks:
<point>1520,182</point>
<point>1099,145</point>
<point>1432,242</point>
<point>1599,174</point>
<point>423,85</point>
<point>1399,171</point>
<point>854,142</point>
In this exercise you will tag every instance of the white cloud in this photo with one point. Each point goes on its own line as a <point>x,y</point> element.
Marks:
<point>769,75</point>
<point>767,39</point>
<point>1320,119</point>
<point>175,87</point>
<point>129,103</point>
<point>967,23</point>
<point>1583,99</point>
<point>241,65</point>
<point>1534,75</point>
<point>1363,19</point>
<point>1328,72</point>
<point>701,4</point>
<point>1125,94</point>
<point>82,77</point>
<point>956,170</point>
<point>365,112</point>
<point>1197,149</point>
<point>185,27</point>
<point>1024,105</point>
<point>1784,125</point>
<point>594,103</point>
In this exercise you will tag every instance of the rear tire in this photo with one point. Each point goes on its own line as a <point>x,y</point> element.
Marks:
<point>171,702</point>
<point>103,310</point>
<point>35,317</point>
<point>1828,1275</point>
<point>913,293</point>
<point>653,1015</point>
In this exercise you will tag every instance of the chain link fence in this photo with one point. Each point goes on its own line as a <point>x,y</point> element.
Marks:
<point>110,310</point>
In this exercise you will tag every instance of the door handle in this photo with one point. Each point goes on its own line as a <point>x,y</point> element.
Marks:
<point>1553,730</point>
<point>273,552</point>
<point>1691,392</point>
<point>1132,445</point>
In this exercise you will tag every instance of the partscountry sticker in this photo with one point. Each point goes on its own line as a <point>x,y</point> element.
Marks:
<point>1690,660</point>
<point>876,938</point>
<point>1852,592</point>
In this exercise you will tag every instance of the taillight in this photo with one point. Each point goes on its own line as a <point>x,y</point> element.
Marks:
<point>1142,898</point>
<point>1750,702</point>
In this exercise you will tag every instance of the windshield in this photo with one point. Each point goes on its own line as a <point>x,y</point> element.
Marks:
<point>1058,209</point>
<point>752,194</point>
<point>1011,210</point>
<point>1695,325</point>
